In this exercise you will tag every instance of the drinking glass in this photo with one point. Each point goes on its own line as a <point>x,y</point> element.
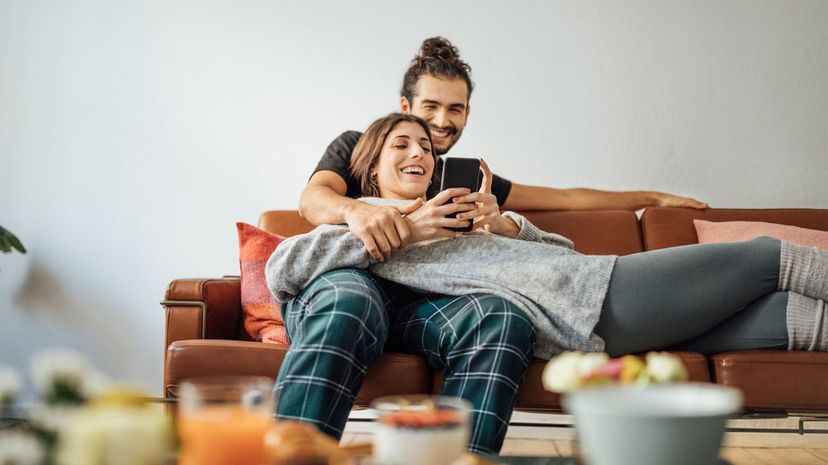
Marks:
<point>223,420</point>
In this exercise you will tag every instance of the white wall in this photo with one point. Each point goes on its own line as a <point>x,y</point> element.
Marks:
<point>134,134</point>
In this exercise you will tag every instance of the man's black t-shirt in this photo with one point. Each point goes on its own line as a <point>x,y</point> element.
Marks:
<point>337,158</point>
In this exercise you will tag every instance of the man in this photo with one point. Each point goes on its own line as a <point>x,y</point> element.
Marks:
<point>345,319</point>
<point>438,90</point>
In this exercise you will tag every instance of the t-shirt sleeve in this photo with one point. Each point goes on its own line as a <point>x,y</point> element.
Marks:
<point>501,188</point>
<point>337,158</point>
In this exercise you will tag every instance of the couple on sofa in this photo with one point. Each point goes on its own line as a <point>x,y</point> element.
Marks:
<point>479,306</point>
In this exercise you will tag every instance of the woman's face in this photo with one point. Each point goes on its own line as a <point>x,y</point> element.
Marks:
<point>405,164</point>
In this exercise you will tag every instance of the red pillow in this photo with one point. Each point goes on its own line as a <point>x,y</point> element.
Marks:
<point>262,317</point>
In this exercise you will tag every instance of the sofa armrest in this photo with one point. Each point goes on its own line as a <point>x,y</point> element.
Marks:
<point>202,308</point>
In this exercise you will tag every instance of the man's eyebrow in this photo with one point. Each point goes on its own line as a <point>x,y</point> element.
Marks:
<point>435,102</point>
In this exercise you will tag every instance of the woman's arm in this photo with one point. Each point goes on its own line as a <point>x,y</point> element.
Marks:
<point>508,224</point>
<point>530,232</point>
<point>301,259</point>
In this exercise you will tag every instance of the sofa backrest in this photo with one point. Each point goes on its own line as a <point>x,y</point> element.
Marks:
<point>614,232</point>
<point>670,227</point>
<point>610,232</point>
<point>596,232</point>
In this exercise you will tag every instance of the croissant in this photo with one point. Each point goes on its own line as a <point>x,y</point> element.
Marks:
<point>295,443</point>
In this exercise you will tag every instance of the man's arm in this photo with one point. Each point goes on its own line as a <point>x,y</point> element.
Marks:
<point>547,198</point>
<point>323,200</point>
<point>381,229</point>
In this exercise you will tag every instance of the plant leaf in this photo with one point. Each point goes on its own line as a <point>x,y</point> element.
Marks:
<point>9,241</point>
<point>15,242</point>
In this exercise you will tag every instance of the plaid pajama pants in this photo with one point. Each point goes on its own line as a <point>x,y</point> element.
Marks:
<point>344,320</point>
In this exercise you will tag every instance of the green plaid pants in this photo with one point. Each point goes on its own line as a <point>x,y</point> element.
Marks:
<point>344,320</point>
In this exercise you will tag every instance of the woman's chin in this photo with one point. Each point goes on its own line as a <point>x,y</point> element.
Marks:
<point>414,192</point>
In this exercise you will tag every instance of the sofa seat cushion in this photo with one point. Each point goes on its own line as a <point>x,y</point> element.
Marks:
<point>393,373</point>
<point>775,379</point>
<point>533,397</point>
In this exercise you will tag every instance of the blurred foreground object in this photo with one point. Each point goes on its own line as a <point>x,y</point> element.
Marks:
<point>572,371</point>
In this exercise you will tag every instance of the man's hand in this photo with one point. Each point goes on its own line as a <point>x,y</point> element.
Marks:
<point>670,200</point>
<point>381,229</point>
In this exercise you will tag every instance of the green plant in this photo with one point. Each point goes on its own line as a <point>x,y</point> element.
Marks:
<point>9,241</point>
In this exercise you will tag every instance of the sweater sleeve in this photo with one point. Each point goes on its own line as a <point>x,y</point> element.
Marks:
<point>532,233</point>
<point>300,259</point>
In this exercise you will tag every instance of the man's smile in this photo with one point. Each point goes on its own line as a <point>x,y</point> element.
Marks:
<point>441,133</point>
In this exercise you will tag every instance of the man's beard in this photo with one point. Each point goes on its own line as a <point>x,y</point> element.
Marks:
<point>454,136</point>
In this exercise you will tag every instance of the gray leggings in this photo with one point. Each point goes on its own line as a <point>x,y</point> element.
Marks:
<point>706,297</point>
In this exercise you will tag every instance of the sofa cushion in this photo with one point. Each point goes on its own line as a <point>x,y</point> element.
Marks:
<point>608,232</point>
<point>262,314</point>
<point>533,397</point>
<point>776,379</point>
<point>737,231</point>
<point>393,373</point>
<point>670,227</point>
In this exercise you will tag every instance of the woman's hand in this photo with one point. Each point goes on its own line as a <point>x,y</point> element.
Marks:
<point>487,214</point>
<point>430,222</point>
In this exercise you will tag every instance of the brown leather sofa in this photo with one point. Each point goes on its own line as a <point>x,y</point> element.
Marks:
<point>205,335</point>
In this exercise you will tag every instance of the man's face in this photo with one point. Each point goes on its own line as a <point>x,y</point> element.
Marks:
<point>443,104</point>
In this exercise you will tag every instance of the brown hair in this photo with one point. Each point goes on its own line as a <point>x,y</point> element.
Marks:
<point>368,149</point>
<point>439,58</point>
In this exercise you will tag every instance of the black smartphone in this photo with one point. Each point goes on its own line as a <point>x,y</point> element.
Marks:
<point>460,172</point>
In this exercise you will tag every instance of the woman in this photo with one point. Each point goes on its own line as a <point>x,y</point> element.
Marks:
<point>713,297</point>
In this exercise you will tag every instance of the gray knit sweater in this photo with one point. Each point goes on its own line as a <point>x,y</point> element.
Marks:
<point>561,290</point>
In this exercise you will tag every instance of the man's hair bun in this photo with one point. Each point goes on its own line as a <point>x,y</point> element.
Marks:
<point>440,48</point>
<point>436,57</point>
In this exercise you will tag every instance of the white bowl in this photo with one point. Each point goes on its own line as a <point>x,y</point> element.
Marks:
<point>419,444</point>
<point>676,424</point>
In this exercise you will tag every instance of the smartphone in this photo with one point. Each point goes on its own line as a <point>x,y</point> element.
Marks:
<point>460,172</point>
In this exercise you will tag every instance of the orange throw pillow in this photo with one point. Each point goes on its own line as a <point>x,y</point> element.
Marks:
<point>262,315</point>
<point>737,231</point>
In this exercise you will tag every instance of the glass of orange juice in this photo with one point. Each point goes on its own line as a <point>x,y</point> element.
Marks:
<point>223,420</point>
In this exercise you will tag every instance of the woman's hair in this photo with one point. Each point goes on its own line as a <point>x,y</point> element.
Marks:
<point>437,57</point>
<point>368,149</point>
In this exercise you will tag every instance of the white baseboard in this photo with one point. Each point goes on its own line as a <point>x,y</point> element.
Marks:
<point>360,423</point>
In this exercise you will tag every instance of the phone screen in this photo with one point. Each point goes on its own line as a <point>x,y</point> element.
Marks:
<point>460,172</point>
